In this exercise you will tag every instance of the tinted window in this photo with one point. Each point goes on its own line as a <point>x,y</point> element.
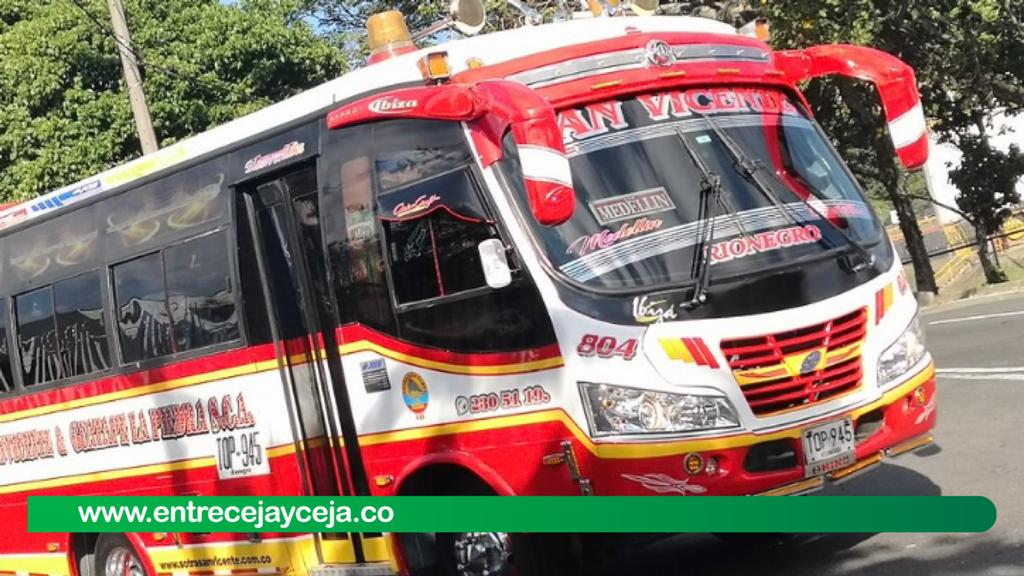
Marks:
<point>144,324</point>
<point>409,198</point>
<point>81,326</point>
<point>354,241</point>
<point>58,247</point>
<point>432,235</point>
<point>6,374</point>
<point>638,167</point>
<point>178,205</point>
<point>199,292</point>
<point>37,337</point>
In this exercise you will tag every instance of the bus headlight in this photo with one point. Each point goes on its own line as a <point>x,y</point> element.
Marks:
<point>621,410</point>
<point>902,355</point>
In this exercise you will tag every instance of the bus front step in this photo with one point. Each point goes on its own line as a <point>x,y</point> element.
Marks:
<point>368,569</point>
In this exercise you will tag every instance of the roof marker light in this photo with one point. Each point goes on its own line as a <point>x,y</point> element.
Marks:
<point>435,67</point>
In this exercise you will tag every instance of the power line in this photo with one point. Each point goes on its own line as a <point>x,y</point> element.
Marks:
<point>106,31</point>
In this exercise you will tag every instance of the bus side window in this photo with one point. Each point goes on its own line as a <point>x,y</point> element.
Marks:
<point>143,321</point>
<point>353,240</point>
<point>200,295</point>
<point>37,337</point>
<point>81,327</point>
<point>434,255</point>
<point>176,300</point>
<point>6,374</point>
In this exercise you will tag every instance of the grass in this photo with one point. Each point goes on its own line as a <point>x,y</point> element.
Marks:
<point>1013,266</point>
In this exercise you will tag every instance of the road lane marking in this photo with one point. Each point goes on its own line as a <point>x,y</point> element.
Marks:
<point>1005,370</point>
<point>976,376</point>
<point>981,317</point>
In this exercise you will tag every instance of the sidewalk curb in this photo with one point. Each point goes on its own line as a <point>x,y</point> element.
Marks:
<point>969,299</point>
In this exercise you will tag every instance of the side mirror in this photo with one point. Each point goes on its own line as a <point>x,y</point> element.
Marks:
<point>532,122</point>
<point>468,16</point>
<point>892,77</point>
<point>494,263</point>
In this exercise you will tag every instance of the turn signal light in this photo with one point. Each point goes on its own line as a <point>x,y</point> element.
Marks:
<point>693,463</point>
<point>921,396</point>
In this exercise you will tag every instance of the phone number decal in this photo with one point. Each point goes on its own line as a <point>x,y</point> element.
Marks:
<point>504,400</point>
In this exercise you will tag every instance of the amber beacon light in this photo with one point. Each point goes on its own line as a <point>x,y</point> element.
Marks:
<point>388,36</point>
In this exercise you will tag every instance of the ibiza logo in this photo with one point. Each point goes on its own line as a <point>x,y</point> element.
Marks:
<point>659,53</point>
<point>647,311</point>
<point>391,105</point>
<point>810,363</point>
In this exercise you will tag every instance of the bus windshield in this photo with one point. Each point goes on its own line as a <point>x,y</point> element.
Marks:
<point>638,220</point>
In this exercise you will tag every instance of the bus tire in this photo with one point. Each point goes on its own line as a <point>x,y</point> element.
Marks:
<point>115,556</point>
<point>499,554</point>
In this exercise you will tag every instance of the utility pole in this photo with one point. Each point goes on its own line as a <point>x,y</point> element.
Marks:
<point>137,97</point>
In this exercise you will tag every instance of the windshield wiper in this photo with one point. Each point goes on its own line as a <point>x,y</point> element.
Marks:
<point>710,195</point>
<point>751,169</point>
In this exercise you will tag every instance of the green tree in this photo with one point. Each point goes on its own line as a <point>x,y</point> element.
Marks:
<point>987,179</point>
<point>346,19</point>
<point>850,110</point>
<point>64,112</point>
<point>966,54</point>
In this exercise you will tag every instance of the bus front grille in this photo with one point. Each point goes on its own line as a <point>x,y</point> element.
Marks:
<point>801,367</point>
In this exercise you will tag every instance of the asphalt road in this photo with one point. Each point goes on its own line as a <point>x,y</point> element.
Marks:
<point>978,347</point>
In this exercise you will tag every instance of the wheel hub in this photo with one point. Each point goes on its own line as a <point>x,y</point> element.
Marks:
<point>482,554</point>
<point>122,562</point>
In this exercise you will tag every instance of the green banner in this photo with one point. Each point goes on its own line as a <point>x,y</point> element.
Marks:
<point>664,514</point>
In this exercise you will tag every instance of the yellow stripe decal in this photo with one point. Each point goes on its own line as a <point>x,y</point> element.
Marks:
<point>676,350</point>
<point>54,564</point>
<point>185,382</point>
<point>149,470</point>
<point>495,370</point>
<point>632,450</point>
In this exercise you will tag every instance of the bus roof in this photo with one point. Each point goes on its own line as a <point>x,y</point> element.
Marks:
<point>491,48</point>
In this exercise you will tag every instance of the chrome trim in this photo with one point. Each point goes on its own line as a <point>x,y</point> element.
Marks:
<point>633,59</point>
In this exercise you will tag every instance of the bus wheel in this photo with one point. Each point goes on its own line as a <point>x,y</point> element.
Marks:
<point>479,553</point>
<point>500,554</point>
<point>116,557</point>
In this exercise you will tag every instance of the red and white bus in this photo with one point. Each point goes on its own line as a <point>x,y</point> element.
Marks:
<point>610,256</point>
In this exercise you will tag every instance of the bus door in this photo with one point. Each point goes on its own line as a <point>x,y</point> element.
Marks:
<point>282,212</point>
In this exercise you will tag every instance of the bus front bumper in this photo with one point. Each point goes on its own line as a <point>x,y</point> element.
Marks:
<point>768,464</point>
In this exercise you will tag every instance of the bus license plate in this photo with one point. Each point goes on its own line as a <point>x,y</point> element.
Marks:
<point>828,447</point>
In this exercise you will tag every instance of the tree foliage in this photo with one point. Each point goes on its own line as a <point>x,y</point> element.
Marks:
<point>346,19</point>
<point>987,179</point>
<point>965,53</point>
<point>64,111</point>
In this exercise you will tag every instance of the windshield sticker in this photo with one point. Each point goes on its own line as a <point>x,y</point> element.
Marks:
<point>421,204</point>
<point>648,311</point>
<point>629,206</point>
<point>600,118</point>
<point>592,120</point>
<point>262,161</point>
<point>764,242</point>
<point>605,238</point>
<point>625,252</point>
